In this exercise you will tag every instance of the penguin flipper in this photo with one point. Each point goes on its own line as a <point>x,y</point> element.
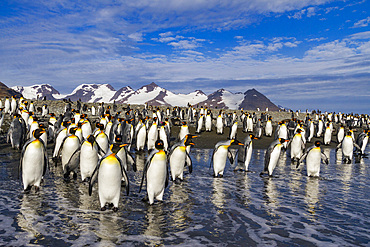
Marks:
<point>213,154</point>
<point>131,160</point>
<point>94,176</point>
<point>188,162</point>
<point>324,158</point>
<point>46,161</point>
<point>230,156</point>
<point>124,175</point>
<point>167,178</point>
<point>146,166</point>
<point>73,161</point>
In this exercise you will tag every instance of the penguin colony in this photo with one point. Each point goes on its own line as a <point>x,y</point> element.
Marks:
<point>100,151</point>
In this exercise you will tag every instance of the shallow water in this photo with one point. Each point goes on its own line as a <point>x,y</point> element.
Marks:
<point>289,209</point>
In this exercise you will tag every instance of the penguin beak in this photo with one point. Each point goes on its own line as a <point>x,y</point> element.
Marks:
<point>122,145</point>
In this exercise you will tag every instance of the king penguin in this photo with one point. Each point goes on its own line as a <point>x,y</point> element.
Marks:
<point>297,146</point>
<point>220,153</point>
<point>268,127</point>
<point>220,124</point>
<point>245,153</point>
<point>272,155</point>
<point>313,160</point>
<point>71,150</point>
<point>347,146</point>
<point>109,173</point>
<point>155,171</point>
<point>34,161</point>
<point>179,158</point>
<point>233,130</point>
<point>140,136</point>
<point>89,157</point>
<point>184,130</point>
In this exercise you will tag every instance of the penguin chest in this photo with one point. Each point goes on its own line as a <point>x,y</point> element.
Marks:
<point>327,136</point>
<point>274,158</point>
<point>183,132</point>
<point>109,178</point>
<point>347,146</point>
<point>88,159</point>
<point>71,144</point>
<point>364,143</point>
<point>313,162</point>
<point>283,132</point>
<point>33,163</point>
<point>141,136</point>
<point>219,159</point>
<point>296,146</point>
<point>268,127</point>
<point>249,154</point>
<point>156,173</point>
<point>102,140</point>
<point>177,161</point>
<point>208,122</point>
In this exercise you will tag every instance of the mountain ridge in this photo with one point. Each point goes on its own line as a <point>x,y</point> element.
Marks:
<point>154,95</point>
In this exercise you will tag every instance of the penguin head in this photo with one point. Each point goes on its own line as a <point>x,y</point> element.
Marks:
<point>282,140</point>
<point>73,130</point>
<point>118,139</point>
<point>317,143</point>
<point>91,138</point>
<point>236,142</point>
<point>188,140</point>
<point>252,137</point>
<point>115,147</point>
<point>37,133</point>
<point>159,145</point>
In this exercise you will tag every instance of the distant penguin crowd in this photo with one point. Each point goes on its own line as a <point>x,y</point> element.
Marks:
<point>98,144</point>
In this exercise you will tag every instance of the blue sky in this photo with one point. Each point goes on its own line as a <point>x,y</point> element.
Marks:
<point>302,54</point>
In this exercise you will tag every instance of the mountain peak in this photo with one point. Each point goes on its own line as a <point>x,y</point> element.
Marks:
<point>152,94</point>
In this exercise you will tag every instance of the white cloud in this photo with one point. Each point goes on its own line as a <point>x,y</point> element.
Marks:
<point>362,23</point>
<point>136,36</point>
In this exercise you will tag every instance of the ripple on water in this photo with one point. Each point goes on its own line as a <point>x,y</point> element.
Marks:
<point>242,208</point>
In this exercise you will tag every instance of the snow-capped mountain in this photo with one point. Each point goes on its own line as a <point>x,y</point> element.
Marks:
<point>92,93</point>
<point>153,95</point>
<point>223,99</point>
<point>38,91</point>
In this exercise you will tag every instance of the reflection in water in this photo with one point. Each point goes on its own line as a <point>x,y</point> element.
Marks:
<point>156,222</point>
<point>271,196</point>
<point>108,230</point>
<point>338,156</point>
<point>326,151</point>
<point>346,176</point>
<point>179,196</point>
<point>29,216</point>
<point>312,196</point>
<point>218,194</point>
<point>243,186</point>
<point>202,155</point>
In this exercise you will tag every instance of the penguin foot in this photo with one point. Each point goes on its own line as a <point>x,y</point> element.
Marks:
<point>123,183</point>
<point>37,189</point>
<point>28,189</point>
<point>115,209</point>
<point>177,181</point>
<point>145,199</point>
<point>74,176</point>
<point>103,208</point>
